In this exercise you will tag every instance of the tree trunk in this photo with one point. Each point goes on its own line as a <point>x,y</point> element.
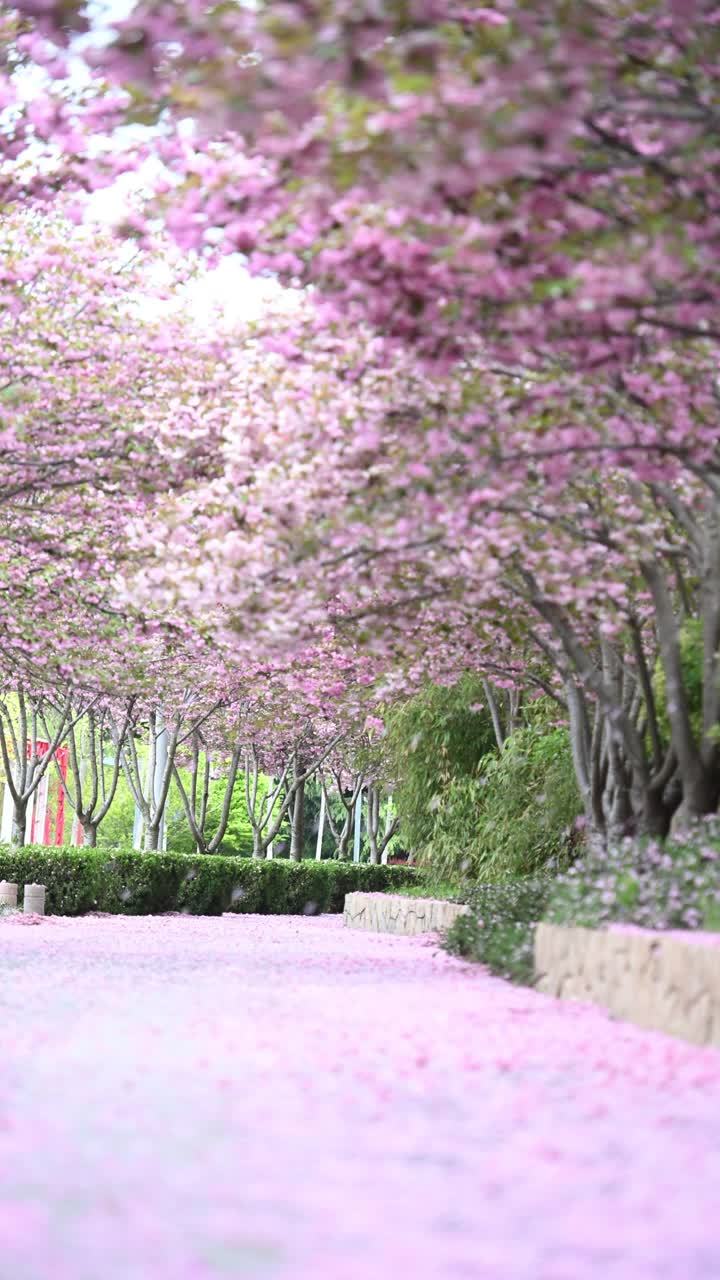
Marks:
<point>700,799</point>
<point>89,830</point>
<point>152,839</point>
<point>344,841</point>
<point>657,813</point>
<point>373,823</point>
<point>19,821</point>
<point>298,824</point>
<point>494,714</point>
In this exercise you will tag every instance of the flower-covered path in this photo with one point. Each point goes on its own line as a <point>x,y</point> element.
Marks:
<point>191,1099</point>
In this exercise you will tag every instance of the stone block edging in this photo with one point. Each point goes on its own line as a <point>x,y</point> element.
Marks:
<point>666,982</point>
<point>393,913</point>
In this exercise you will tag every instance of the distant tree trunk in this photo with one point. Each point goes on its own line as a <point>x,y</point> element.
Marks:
<point>297,839</point>
<point>494,714</point>
<point>348,802</point>
<point>378,843</point>
<point>697,760</point>
<point>196,803</point>
<point>24,767</point>
<point>344,841</point>
<point>19,822</point>
<point>85,786</point>
<point>89,831</point>
<point>321,825</point>
<point>152,837</point>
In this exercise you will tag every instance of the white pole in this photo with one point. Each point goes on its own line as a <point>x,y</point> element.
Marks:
<point>41,807</point>
<point>7,816</point>
<point>271,846</point>
<point>161,755</point>
<point>76,828</point>
<point>388,821</point>
<point>321,826</point>
<point>138,820</point>
<point>358,826</point>
<point>137,829</point>
<point>29,818</point>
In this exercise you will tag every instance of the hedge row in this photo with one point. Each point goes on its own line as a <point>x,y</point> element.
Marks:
<point>130,883</point>
<point>653,885</point>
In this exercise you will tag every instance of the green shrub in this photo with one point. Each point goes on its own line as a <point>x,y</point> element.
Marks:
<point>431,739</point>
<point>518,900</point>
<point>499,931</point>
<point>505,948</point>
<point>675,885</point>
<point>131,883</point>
<point>517,814</point>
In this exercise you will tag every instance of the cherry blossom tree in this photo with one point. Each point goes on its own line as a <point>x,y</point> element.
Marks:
<point>541,176</point>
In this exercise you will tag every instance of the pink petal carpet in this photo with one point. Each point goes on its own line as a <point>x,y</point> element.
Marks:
<point>191,1098</point>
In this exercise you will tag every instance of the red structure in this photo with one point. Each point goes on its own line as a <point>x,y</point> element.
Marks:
<point>48,813</point>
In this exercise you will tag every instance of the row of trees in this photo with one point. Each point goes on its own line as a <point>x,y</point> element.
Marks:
<point>208,760</point>
<point>113,404</point>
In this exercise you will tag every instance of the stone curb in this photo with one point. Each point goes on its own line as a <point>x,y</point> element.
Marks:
<point>393,913</point>
<point>659,981</point>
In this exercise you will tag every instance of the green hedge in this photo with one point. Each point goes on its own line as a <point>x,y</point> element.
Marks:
<point>653,885</point>
<point>131,883</point>
<point>500,931</point>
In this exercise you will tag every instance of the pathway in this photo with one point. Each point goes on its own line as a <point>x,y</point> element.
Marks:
<point>195,1099</point>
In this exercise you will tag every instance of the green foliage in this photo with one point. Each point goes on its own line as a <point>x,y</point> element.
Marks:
<point>130,883</point>
<point>675,885</point>
<point>505,949</point>
<point>238,838</point>
<point>516,815</point>
<point>516,900</point>
<point>116,829</point>
<point>432,739</point>
<point>499,931</point>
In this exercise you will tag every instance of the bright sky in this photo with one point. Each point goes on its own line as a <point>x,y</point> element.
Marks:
<point>229,289</point>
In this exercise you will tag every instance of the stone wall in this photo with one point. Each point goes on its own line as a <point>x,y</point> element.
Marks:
<point>392,913</point>
<point>670,982</point>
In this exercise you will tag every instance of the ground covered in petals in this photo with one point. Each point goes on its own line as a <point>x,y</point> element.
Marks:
<point>192,1098</point>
